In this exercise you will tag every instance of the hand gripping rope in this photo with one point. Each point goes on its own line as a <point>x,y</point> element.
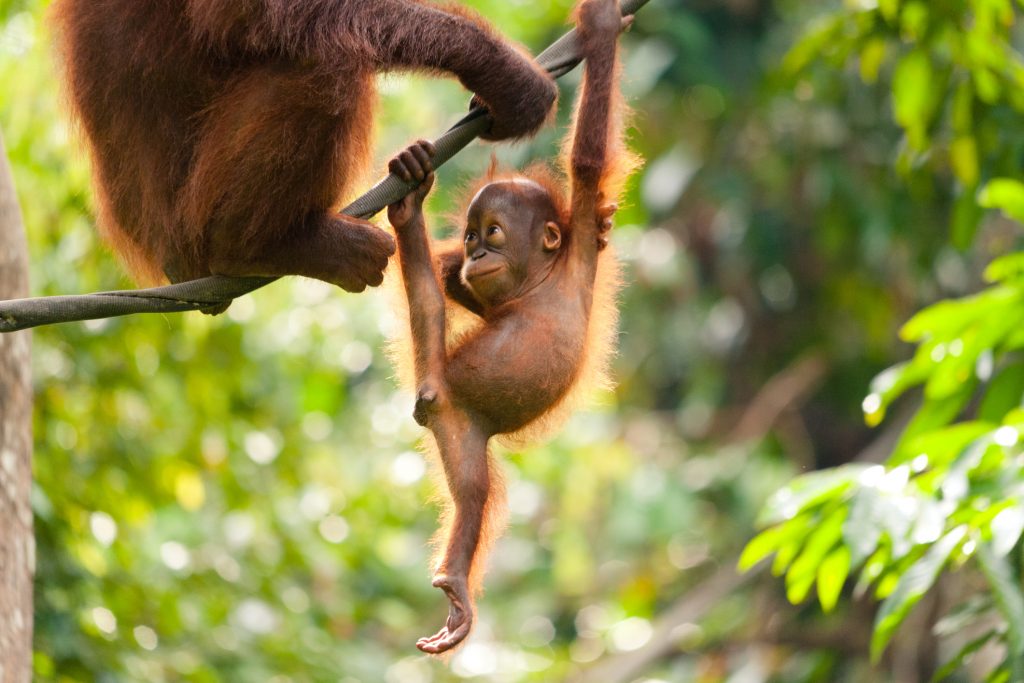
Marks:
<point>18,314</point>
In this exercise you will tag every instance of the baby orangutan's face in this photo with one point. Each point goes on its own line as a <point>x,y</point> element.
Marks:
<point>506,238</point>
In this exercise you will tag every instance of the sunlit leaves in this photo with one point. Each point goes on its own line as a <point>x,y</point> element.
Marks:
<point>1006,528</point>
<point>805,568</point>
<point>1006,268</point>
<point>1005,194</point>
<point>950,70</point>
<point>872,58</point>
<point>832,573</point>
<point>954,663</point>
<point>897,528</point>
<point>963,157</point>
<point>1010,601</point>
<point>910,588</point>
<point>772,541</point>
<point>955,78</point>
<point>914,96</point>
<point>808,491</point>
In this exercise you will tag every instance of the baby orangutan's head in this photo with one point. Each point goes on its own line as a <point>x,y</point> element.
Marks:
<point>512,237</point>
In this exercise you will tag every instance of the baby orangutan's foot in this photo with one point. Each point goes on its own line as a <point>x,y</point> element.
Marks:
<point>460,616</point>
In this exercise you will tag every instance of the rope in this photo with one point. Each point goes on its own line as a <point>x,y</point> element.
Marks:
<point>18,314</point>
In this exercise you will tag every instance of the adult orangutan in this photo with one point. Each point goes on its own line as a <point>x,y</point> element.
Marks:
<point>530,268</point>
<point>225,132</point>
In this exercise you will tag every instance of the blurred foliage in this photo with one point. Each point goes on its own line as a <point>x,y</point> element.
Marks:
<point>952,491</point>
<point>240,498</point>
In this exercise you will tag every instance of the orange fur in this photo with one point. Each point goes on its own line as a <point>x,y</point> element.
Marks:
<point>509,328</point>
<point>594,370</point>
<point>224,134</point>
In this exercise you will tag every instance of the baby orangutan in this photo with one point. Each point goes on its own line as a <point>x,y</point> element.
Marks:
<point>527,267</point>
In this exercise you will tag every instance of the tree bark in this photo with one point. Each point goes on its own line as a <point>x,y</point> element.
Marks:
<point>17,543</point>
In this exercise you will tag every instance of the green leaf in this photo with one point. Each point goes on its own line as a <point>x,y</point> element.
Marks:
<point>764,544</point>
<point>793,536</point>
<point>912,96</point>
<point>986,84</point>
<point>872,56</point>
<point>832,576</point>
<point>1009,600</point>
<point>820,37</point>
<point>808,491</point>
<point>1005,194</point>
<point>784,556</point>
<point>1007,527</point>
<point>889,385</point>
<point>942,320</point>
<point>963,108</point>
<point>943,445</point>
<point>1000,675</point>
<point>963,615</point>
<point>936,413</point>
<point>890,9</point>
<point>947,320</point>
<point>862,530</point>
<point>957,661</point>
<point>957,482</point>
<point>914,21</point>
<point>967,216</point>
<point>802,573</point>
<point>1004,393</point>
<point>963,156</point>
<point>1005,268</point>
<point>874,567</point>
<point>911,587</point>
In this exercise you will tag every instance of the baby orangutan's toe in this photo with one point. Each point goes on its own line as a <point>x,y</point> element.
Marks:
<point>460,617</point>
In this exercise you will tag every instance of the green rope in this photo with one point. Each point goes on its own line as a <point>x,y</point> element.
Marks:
<point>18,314</point>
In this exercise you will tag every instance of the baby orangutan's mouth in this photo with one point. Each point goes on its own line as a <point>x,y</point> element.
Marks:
<point>483,273</point>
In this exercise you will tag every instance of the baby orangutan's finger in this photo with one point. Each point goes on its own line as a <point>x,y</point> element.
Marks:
<point>422,156</point>
<point>396,167</point>
<point>413,164</point>
<point>424,189</point>
<point>429,146</point>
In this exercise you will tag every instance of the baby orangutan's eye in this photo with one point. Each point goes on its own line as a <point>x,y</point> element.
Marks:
<point>495,236</point>
<point>470,237</point>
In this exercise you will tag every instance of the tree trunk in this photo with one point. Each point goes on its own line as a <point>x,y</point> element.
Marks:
<point>17,543</point>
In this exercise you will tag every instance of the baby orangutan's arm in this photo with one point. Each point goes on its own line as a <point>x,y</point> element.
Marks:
<point>596,147</point>
<point>426,300</point>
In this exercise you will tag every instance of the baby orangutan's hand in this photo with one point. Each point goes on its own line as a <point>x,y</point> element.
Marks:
<point>601,18</point>
<point>604,223</point>
<point>415,163</point>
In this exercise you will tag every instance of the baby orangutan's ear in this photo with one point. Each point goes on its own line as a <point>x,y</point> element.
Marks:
<point>552,236</point>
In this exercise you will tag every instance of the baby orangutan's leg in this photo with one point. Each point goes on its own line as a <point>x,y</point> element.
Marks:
<point>472,486</point>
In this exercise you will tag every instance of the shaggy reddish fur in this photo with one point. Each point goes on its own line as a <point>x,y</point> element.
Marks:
<point>224,131</point>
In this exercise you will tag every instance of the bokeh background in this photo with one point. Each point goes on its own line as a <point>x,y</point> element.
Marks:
<point>241,498</point>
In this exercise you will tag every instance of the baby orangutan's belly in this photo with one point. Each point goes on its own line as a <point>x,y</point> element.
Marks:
<point>515,386</point>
